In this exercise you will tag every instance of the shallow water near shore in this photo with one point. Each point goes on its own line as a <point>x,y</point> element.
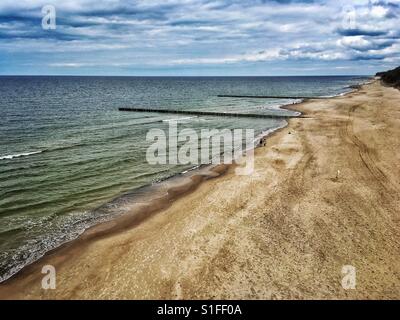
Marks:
<point>69,159</point>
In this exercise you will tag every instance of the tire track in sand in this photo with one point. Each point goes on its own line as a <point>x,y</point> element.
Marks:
<point>367,157</point>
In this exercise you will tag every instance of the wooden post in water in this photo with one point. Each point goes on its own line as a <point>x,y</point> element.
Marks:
<point>207,113</point>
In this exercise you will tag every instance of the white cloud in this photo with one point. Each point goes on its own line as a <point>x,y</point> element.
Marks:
<point>198,32</point>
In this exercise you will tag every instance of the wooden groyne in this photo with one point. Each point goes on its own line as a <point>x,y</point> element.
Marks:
<point>265,97</point>
<point>206,113</point>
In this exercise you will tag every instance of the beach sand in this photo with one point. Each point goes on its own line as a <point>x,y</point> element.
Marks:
<point>324,194</point>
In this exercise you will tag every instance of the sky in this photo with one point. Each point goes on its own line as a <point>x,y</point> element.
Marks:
<point>199,37</point>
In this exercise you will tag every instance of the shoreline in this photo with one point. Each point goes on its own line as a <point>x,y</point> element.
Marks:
<point>24,279</point>
<point>154,201</point>
<point>193,177</point>
<point>196,170</point>
<point>140,214</point>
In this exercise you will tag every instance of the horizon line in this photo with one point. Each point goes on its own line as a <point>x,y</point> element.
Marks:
<point>185,76</point>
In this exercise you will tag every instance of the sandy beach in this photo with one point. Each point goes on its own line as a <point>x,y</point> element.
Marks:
<point>325,193</point>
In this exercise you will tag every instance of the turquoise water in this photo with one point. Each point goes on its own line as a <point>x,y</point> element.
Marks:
<point>66,151</point>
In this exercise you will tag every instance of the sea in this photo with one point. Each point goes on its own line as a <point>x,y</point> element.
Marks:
<point>67,154</point>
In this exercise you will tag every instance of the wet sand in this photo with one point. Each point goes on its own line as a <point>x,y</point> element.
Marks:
<point>325,193</point>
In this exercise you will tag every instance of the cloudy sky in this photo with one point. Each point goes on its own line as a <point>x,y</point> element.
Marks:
<point>200,37</point>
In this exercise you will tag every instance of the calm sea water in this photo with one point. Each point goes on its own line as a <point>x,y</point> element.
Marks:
<point>66,150</point>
